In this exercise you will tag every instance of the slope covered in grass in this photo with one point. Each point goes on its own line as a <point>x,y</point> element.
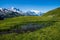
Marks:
<point>54,12</point>
<point>48,33</point>
<point>17,21</point>
<point>51,32</point>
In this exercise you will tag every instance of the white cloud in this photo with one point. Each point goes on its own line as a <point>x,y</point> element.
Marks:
<point>36,11</point>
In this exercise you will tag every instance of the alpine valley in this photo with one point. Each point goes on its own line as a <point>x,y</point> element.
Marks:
<point>31,25</point>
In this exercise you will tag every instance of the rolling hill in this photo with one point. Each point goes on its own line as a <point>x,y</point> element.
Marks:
<point>54,12</point>
<point>46,27</point>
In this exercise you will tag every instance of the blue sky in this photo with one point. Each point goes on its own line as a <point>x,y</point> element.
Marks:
<point>24,5</point>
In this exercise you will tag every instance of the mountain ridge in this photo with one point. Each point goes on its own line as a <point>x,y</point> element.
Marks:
<point>14,12</point>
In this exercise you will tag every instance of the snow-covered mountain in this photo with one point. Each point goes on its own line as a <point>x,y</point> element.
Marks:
<point>15,10</point>
<point>34,13</point>
<point>12,12</point>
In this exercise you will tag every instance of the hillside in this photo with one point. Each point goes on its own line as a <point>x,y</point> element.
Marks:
<point>44,27</point>
<point>54,12</point>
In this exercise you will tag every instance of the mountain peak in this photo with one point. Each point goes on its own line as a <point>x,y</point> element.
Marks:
<point>12,7</point>
<point>36,11</point>
<point>15,9</point>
